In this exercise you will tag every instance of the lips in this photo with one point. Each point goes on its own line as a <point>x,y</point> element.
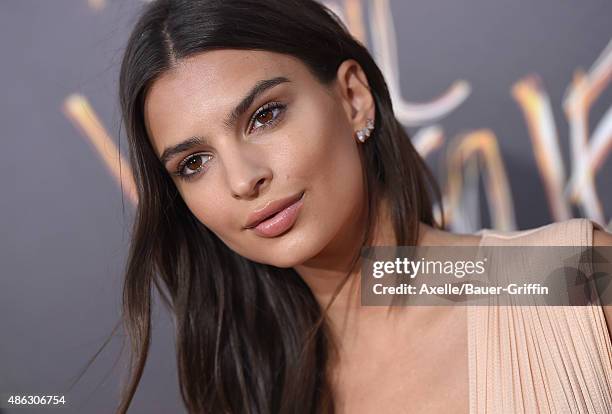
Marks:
<point>270,209</point>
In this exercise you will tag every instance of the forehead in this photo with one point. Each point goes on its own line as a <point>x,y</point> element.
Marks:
<point>209,84</point>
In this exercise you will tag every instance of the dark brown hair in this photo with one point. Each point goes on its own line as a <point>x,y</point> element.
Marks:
<point>251,338</point>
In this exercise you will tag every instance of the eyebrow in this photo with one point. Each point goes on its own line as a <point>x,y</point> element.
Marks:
<point>259,88</point>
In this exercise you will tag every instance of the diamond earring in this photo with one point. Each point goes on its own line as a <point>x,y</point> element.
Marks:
<point>364,133</point>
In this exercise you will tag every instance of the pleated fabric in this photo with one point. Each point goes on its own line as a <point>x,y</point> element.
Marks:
<point>540,359</point>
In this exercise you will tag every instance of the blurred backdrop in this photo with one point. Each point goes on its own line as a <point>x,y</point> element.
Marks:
<point>509,102</point>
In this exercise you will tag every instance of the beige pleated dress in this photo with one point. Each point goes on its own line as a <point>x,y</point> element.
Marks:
<point>540,359</point>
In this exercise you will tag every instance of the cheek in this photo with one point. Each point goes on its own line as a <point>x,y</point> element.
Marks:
<point>208,210</point>
<point>218,220</point>
<point>340,183</point>
<point>334,157</point>
<point>327,161</point>
<point>212,208</point>
<point>319,146</point>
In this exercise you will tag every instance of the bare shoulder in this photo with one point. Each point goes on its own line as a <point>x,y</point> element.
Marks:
<point>603,238</point>
<point>430,236</point>
<point>465,239</point>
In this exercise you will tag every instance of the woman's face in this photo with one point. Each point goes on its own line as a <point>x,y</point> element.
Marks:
<point>254,130</point>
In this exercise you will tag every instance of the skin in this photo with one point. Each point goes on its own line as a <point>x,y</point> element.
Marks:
<point>603,238</point>
<point>309,146</point>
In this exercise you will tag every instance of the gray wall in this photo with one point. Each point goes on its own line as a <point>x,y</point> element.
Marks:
<point>64,221</point>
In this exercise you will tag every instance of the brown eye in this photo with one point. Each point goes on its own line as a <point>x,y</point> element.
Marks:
<point>193,166</point>
<point>194,163</point>
<point>265,116</point>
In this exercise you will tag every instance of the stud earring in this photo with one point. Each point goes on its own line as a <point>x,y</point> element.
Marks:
<point>364,133</point>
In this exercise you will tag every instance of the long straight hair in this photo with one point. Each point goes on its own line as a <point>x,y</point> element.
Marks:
<point>251,338</point>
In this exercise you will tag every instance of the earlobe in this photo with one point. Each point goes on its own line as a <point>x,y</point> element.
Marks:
<point>365,132</point>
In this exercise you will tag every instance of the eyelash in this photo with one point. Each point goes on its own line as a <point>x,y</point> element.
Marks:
<point>270,106</point>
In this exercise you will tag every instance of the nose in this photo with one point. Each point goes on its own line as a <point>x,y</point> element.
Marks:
<point>247,173</point>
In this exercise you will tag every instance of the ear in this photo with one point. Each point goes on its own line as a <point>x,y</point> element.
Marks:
<point>354,91</point>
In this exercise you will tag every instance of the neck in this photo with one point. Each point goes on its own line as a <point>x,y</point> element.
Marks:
<point>326,273</point>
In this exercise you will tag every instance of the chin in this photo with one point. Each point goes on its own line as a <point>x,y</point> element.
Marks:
<point>286,258</point>
<point>280,256</point>
<point>287,254</point>
<point>294,248</point>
